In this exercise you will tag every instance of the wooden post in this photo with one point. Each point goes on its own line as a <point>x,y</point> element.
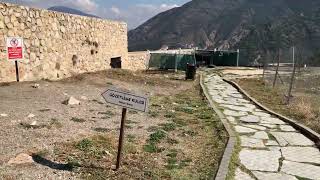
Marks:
<point>17,71</point>
<point>277,71</point>
<point>123,119</point>
<point>292,76</point>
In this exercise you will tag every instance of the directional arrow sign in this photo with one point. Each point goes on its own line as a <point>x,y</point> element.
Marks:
<point>126,99</point>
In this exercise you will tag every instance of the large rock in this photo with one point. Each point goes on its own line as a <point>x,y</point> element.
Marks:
<point>271,176</point>
<point>301,169</point>
<point>270,120</point>
<point>251,142</point>
<point>301,154</point>
<point>250,119</point>
<point>234,113</point>
<point>261,135</point>
<point>241,129</point>
<point>21,159</point>
<point>293,139</point>
<point>287,128</point>
<point>260,160</point>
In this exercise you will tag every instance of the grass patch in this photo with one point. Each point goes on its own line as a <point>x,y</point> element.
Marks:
<point>45,110</point>
<point>153,114</point>
<point>102,130</point>
<point>169,127</point>
<point>131,138</point>
<point>152,142</point>
<point>170,115</point>
<point>78,120</point>
<point>55,123</point>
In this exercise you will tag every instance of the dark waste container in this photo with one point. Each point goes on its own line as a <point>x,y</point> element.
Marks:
<point>191,71</point>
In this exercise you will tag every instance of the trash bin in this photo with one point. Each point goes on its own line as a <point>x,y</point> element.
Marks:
<point>191,71</point>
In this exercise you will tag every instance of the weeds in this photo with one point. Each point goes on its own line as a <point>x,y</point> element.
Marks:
<point>78,120</point>
<point>169,127</point>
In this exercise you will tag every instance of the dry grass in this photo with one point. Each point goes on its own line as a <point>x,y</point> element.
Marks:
<point>302,108</point>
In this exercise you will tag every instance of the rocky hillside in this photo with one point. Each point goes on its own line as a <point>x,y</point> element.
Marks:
<point>254,26</point>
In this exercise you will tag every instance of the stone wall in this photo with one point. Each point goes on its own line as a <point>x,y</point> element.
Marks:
<point>59,45</point>
<point>138,60</point>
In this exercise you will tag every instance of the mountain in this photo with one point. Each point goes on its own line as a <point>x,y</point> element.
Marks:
<point>68,10</point>
<point>256,27</point>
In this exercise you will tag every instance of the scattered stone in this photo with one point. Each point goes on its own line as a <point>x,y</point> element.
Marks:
<point>301,169</point>
<point>36,86</point>
<point>269,176</point>
<point>34,123</point>
<point>72,101</point>
<point>270,120</point>
<point>260,160</point>
<point>234,113</point>
<point>21,159</point>
<point>4,115</point>
<point>250,119</point>
<point>294,139</point>
<point>251,142</point>
<point>301,154</point>
<point>260,135</point>
<point>261,128</point>
<point>31,115</point>
<point>287,128</point>
<point>272,143</point>
<point>84,98</point>
<point>241,129</point>
<point>239,175</point>
<point>108,153</point>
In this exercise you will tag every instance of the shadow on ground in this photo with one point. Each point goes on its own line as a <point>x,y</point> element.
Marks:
<point>53,165</point>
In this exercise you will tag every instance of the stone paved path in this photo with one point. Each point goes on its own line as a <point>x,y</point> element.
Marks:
<point>271,149</point>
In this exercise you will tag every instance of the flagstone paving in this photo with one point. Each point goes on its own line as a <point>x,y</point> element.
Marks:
<point>271,148</point>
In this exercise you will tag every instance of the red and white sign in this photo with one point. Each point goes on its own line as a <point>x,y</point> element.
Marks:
<point>15,48</point>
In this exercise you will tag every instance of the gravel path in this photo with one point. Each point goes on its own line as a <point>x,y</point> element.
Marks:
<point>270,148</point>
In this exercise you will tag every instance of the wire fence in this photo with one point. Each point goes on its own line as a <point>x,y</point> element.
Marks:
<point>287,71</point>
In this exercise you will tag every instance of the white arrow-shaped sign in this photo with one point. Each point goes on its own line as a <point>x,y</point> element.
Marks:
<point>126,99</point>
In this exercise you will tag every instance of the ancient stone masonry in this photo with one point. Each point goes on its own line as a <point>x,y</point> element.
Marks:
<point>59,45</point>
<point>138,60</point>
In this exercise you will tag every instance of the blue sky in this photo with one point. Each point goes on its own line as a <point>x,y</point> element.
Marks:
<point>134,12</point>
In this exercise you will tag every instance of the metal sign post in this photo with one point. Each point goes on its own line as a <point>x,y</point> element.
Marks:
<point>120,144</point>
<point>126,100</point>
<point>15,51</point>
<point>17,71</point>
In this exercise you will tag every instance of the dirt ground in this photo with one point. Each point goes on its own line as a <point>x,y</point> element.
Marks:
<point>173,140</point>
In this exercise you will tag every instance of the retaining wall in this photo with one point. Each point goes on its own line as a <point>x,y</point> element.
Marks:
<point>59,45</point>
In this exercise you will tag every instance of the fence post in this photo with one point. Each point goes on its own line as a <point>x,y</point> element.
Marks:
<point>238,56</point>
<point>277,70</point>
<point>292,76</point>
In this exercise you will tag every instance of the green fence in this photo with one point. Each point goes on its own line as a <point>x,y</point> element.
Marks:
<point>218,58</point>
<point>171,61</point>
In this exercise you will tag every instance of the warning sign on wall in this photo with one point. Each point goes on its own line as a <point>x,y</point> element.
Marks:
<point>14,48</point>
